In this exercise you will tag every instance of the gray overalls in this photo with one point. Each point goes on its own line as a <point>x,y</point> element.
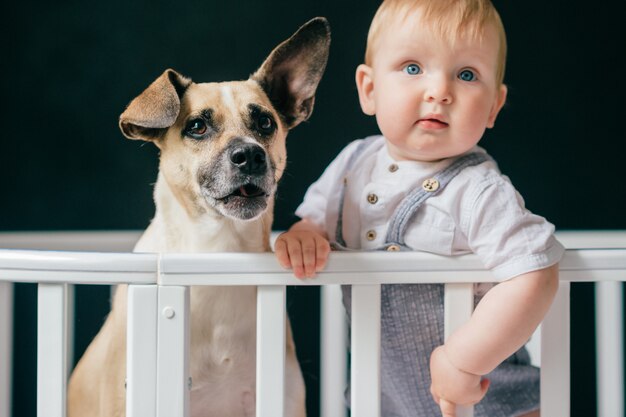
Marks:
<point>412,323</point>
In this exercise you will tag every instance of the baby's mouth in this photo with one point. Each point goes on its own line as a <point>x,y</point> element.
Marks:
<point>430,123</point>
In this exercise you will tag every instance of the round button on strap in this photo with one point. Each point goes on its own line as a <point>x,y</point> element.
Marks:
<point>430,185</point>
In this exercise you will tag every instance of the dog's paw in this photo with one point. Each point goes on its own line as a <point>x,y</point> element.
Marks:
<point>248,402</point>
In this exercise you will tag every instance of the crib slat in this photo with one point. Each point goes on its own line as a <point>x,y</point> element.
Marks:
<point>51,350</point>
<point>270,351</point>
<point>173,383</point>
<point>6,343</point>
<point>610,345</point>
<point>555,356</point>
<point>141,348</point>
<point>333,355</point>
<point>458,308</point>
<point>365,351</point>
<point>70,315</point>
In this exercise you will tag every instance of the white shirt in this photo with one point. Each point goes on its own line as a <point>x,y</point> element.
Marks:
<point>479,211</point>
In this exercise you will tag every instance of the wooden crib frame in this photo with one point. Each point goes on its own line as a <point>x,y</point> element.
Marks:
<point>158,381</point>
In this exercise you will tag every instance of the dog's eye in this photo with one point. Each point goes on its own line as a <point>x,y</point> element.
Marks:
<point>196,128</point>
<point>265,124</point>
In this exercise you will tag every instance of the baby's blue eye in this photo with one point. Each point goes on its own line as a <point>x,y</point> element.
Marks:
<point>412,69</point>
<point>467,75</point>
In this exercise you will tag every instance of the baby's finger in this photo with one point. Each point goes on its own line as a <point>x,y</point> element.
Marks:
<point>295,257</point>
<point>448,409</point>
<point>309,257</point>
<point>322,250</point>
<point>484,386</point>
<point>280,249</point>
<point>432,393</point>
<point>478,392</point>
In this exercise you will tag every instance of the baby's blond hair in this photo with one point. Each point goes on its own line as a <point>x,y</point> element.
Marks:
<point>450,18</point>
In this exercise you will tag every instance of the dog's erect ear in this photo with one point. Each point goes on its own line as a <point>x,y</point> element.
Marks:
<point>156,109</point>
<point>291,73</point>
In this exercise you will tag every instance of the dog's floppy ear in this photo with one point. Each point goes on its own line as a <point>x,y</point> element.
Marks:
<point>291,73</point>
<point>156,109</point>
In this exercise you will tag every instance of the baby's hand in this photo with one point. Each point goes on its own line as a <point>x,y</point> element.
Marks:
<point>303,250</point>
<point>451,386</point>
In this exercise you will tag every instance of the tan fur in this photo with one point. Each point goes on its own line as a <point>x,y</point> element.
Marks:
<point>223,319</point>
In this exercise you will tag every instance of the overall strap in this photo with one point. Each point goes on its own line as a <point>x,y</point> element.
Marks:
<point>414,200</point>
<point>365,144</point>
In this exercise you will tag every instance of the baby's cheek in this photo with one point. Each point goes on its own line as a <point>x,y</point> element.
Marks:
<point>391,123</point>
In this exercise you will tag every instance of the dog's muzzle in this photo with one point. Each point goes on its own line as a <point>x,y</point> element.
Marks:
<point>239,185</point>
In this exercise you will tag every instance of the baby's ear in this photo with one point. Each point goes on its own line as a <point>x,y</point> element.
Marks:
<point>497,105</point>
<point>365,85</point>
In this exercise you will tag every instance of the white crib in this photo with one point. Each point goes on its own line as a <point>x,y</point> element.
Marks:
<point>157,377</point>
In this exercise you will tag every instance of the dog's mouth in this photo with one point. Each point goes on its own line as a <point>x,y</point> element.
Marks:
<point>248,191</point>
<point>245,202</point>
<point>245,191</point>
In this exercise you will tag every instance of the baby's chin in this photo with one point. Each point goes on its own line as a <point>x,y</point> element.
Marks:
<point>422,152</point>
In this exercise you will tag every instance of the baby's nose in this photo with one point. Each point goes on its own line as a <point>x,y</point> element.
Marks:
<point>438,91</point>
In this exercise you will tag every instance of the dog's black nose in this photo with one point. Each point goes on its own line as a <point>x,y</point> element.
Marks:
<point>249,158</point>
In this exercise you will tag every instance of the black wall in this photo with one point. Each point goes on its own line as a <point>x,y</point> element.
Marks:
<point>70,67</point>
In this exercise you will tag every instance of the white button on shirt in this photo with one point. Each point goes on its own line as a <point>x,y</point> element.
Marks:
<point>389,186</point>
<point>479,211</point>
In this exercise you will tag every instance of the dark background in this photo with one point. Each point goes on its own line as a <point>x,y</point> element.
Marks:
<point>70,67</point>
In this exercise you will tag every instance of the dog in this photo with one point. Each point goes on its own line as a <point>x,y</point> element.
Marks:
<point>222,153</point>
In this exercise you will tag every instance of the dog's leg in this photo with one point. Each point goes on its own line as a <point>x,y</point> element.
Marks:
<point>295,405</point>
<point>96,387</point>
<point>248,403</point>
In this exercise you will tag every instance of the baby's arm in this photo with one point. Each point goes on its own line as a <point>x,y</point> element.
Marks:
<point>502,322</point>
<point>304,248</point>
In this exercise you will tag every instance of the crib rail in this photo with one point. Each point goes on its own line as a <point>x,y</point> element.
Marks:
<point>158,381</point>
